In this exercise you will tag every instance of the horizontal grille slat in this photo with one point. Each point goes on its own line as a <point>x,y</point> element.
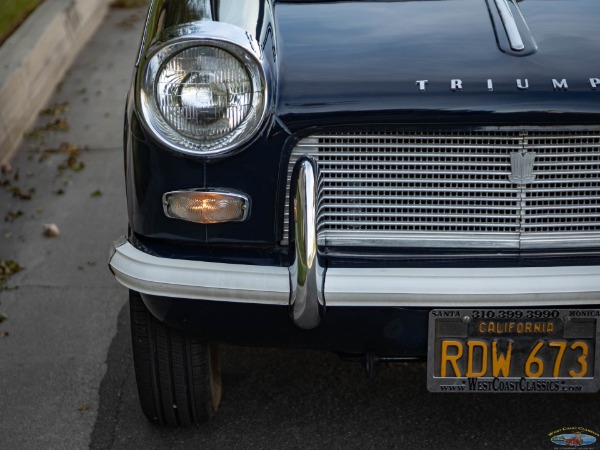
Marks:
<point>391,188</point>
<point>566,173</point>
<point>422,214</point>
<point>424,198</point>
<point>567,190</point>
<point>367,153</point>
<point>561,147</point>
<point>437,180</point>
<point>580,162</point>
<point>412,137</point>
<point>390,145</point>
<point>410,225</point>
<point>362,162</point>
<point>565,207</point>
<point>490,191</point>
<point>565,225</point>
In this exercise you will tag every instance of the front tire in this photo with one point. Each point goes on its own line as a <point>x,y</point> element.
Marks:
<point>178,375</point>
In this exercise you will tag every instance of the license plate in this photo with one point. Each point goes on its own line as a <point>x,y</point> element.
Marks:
<point>513,350</point>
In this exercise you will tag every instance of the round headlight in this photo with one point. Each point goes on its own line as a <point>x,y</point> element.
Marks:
<point>204,98</point>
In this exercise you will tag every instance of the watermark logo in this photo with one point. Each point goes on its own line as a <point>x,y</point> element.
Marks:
<point>574,437</point>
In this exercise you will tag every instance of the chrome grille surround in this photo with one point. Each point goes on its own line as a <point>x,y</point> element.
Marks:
<point>452,190</point>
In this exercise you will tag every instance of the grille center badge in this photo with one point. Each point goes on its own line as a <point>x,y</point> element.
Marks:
<point>521,167</point>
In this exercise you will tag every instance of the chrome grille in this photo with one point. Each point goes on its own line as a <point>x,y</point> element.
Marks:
<point>452,189</point>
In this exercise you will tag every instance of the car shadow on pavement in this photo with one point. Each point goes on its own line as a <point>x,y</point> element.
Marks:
<point>274,398</point>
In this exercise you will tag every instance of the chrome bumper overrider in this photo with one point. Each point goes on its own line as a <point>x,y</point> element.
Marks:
<point>307,285</point>
<point>307,303</point>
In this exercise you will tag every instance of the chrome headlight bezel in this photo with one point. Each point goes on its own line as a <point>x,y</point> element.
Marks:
<point>225,37</point>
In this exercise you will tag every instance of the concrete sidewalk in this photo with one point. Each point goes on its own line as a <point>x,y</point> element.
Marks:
<point>61,310</point>
<point>36,57</point>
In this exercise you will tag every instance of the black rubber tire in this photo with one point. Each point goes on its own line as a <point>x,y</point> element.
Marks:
<point>178,375</point>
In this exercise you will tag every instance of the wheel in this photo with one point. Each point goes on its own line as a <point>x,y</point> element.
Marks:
<point>178,375</point>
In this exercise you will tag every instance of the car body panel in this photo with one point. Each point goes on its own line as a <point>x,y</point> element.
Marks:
<point>364,70</point>
<point>365,67</point>
<point>373,65</point>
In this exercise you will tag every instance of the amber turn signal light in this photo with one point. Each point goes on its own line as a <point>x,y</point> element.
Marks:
<point>207,206</point>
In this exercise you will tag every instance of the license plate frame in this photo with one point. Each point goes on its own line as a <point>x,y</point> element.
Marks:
<point>463,358</point>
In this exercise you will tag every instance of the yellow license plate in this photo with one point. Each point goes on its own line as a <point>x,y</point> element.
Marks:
<point>513,350</point>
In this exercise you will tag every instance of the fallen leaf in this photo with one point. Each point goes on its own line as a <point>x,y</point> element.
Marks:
<point>3,334</point>
<point>38,133</point>
<point>56,110</point>
<point>18,193</point>
<point>8,267</point>
<point>96,193</point>
<point>12,215</point>
<point>72,162</point>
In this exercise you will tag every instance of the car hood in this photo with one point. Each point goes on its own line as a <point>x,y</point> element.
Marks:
<point>346,62</point>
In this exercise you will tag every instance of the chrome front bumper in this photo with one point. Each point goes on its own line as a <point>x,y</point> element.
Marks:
<point>394,287</point>
<point>307,287</point>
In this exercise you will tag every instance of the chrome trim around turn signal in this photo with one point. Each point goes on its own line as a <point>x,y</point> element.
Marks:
<point>307,302</point>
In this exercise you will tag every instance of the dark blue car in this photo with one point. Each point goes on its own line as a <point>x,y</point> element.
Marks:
<point>388,180</point>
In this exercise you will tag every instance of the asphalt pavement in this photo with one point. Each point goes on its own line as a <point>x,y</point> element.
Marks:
<point>66,372</point>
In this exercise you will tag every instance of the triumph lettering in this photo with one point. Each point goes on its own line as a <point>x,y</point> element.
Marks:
<point>521,85</point>
<point>422,84</point>
<point>456,85</point>
<point>560,85</point>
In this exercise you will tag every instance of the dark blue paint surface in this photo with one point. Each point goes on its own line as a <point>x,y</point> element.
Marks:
<point>349,65</point>
<point>343,60</point>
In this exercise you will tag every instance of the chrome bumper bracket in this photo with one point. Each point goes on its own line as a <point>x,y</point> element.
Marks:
<point>307,276</point>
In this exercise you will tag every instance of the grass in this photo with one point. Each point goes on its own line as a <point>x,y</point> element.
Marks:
<point>13,13</point>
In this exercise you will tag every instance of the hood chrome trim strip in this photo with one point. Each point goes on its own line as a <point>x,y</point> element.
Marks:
<point>510,25</point>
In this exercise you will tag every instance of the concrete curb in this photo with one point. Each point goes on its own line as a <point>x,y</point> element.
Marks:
<point>35,58</point>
